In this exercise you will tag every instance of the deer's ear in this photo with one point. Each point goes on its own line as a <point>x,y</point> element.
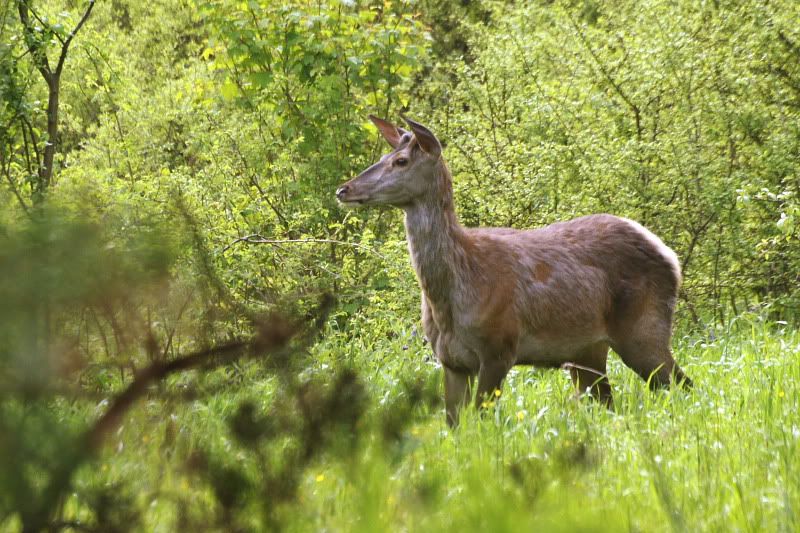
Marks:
<point>425,137</point>
<point>390,132</point>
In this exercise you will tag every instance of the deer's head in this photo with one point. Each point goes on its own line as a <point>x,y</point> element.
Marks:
<point>402,177</point>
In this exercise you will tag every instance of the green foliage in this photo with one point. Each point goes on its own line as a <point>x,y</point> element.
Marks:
<point>303,77</point>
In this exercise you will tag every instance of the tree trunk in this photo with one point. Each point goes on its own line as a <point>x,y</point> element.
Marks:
<point>46,170</point>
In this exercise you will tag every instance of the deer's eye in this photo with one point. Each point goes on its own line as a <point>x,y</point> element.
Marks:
<point>400,162</point>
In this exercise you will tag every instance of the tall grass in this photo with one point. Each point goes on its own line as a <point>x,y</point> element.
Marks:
<point>723,456</point>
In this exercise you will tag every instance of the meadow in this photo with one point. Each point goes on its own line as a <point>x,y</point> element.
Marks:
<point>722,457</point>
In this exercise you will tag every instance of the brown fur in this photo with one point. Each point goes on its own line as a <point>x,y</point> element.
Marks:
<point>496,297</point>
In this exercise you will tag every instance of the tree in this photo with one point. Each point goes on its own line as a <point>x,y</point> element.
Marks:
<point>38,34</point>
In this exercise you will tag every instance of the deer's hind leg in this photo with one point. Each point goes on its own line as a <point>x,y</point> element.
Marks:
<point>643,344</point>
<point>588,373</point>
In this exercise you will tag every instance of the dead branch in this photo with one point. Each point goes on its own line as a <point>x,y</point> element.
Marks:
<point>255,238</point>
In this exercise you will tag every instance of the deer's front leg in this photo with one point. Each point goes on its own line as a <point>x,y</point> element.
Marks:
<point>490,378</point>
<point>457,391</point>
<point>429,325</point>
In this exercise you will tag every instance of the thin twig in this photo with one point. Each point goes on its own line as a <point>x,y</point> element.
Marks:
<point>570,366</point>
<point>255,238</point>
<point>12,185</point>
<point>637,114</point>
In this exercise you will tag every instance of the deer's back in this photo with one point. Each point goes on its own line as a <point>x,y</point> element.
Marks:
<point>617,246</point>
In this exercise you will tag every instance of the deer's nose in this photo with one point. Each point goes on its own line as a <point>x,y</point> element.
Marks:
<point>341,191</point>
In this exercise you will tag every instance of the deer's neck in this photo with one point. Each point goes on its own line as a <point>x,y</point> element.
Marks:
<point>437,244</point>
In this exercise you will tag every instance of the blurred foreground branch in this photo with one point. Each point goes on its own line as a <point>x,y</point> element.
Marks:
<point>272,336</point>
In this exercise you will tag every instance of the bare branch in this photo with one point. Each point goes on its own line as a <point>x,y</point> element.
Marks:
<point>34,141</point>
<point>255,238</point>
<point>575,366</point>
<point>72,34</point>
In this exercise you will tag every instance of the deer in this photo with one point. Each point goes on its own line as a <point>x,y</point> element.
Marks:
<point>558,296</point>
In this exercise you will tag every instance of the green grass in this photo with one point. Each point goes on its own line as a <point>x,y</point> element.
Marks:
<point>724,456</point>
